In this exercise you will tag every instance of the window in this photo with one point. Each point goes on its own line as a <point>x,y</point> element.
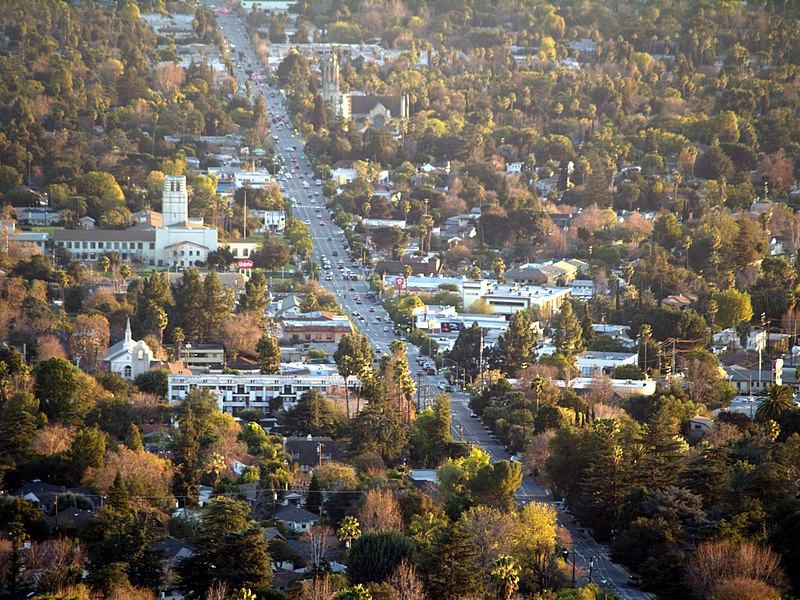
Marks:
<point>127,372</point>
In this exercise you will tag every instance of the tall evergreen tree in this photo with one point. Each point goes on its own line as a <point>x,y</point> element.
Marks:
<point>230,550</point>
<point>449,568</point>
<point>218,303</point>
<point>269,355</point>
<point>189,302</point>
<point>518,343</point>
<point>254,299</point>
<point>118,495</point>
<point>568,335</point>
<point>187,460</point>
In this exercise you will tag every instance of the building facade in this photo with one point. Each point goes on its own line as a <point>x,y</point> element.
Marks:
<point>269,393</point>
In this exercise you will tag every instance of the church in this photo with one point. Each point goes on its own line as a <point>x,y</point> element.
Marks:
<point>129,358</point>
<point>369,110</point>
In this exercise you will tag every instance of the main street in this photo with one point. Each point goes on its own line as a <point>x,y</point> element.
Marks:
<point>328,241</point>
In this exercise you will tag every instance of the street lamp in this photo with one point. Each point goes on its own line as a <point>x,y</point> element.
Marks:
<point>565,552</point>
<point>458,367</point>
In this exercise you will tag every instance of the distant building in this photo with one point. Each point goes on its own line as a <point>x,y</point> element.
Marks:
<point>129,358</point>
<point>322,326</point>
<point>591,361</point>
<point>171,239</point>
<point>265,392</point>
<point>203,357</point>
<point>507,299</point>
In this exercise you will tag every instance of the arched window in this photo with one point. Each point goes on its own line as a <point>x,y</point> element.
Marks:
<point>127,372</point>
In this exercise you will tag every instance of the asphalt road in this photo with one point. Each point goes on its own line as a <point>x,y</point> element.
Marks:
<point>329,239</point>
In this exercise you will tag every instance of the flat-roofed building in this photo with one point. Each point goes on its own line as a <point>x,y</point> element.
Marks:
<point>269,393</point>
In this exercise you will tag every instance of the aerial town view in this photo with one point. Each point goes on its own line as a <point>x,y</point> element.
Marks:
<point>399,299</point>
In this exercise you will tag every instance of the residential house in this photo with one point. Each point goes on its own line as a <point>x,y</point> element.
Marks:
<point>38,216</point>
<point>296,519</point>
<point>243,248</point>
<point>422,266</point>
<point>699,427</point>
<point>40,492</point>
<point>680,301</point>
<point>310,452</point>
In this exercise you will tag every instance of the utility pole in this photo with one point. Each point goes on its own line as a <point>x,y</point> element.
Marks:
<point>244,215</point>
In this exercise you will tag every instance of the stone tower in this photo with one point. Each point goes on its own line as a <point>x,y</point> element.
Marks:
<point>337,102</point>
<point>175,201</point>
<point>329,67</point>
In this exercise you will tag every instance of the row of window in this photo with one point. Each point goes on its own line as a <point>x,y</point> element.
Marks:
<point>106,245</point>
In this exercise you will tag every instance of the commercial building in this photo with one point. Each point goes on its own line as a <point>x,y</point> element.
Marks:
<point>506,299</point>
<point>322,326</point>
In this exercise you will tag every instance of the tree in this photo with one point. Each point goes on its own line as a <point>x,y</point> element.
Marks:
<point>567,331</point>
<point>432,436</point>
<point>313,415</point>
<point>354,357</point>
<point>495,484</point>
<point>504,576</point>
<point>732,307</point>
<point>187,459</point>
<point>467,349</point>
<point>269,355</point>
<point>230,549</point>
<point>717,564</point>
<point>273,254</point>
<point>376,554</point>
<point>405,583</point>
<point>775,399</point>
<point>518,343</point>
<point>714,164</point>
<point>449,567</point>
<point>217,304</point>
<point>254,299</point>
<point>349,530</point>
<point>58,388</point>
<point>118,495</point>
<point>380,511</point>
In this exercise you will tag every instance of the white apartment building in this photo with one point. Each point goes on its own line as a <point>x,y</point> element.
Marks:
<point>266,392</point>
<point>506,299</point>
<point>591,362</point>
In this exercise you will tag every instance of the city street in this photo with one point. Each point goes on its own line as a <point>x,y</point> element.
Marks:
<point>328,241</point>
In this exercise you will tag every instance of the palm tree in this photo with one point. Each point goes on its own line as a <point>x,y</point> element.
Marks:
<point>645,332</point>
<point>349,531</point>
<point>505,576</point>
<point>775,399</point>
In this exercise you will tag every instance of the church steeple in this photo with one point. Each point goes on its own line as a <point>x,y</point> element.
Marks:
<point>128,334</point>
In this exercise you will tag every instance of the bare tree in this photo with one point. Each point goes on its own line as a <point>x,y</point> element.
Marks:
<point>50,346</point>
<point>537,452</point>
<point>317,541</point>
<point>320,588</point>
<point>721,562</point>
<point>89,340</point>
<point>52,439</point>
<point>405,583</point>
<point>380,511</point>
<point>218,591</point>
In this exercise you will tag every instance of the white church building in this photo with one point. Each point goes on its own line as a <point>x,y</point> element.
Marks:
<point>129,358</point>
<point>175,241</point>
